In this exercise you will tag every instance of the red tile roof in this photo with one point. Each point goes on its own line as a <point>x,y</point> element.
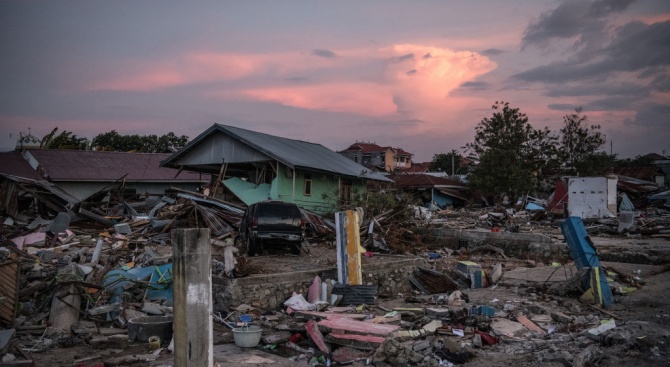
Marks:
<point>366,148</point>
<point>86,165</point>
<point>417,168</point>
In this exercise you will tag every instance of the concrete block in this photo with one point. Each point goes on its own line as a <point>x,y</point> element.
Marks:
<point>151,308</point>
<point>467,267</point>
<point>5,337</point>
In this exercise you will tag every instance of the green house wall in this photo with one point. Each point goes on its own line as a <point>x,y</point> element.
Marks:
<point>322,183</point>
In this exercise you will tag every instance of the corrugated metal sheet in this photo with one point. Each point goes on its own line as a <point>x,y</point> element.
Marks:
<point>356,294</point>
<point>9,288</point>
<point>86,165</point>
<point>45,192</point>
<point>12,163</point>
<point>425,181</point>
<point>290,152</point>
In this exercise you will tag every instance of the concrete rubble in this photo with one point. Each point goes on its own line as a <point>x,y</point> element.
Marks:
<point>89,283</point>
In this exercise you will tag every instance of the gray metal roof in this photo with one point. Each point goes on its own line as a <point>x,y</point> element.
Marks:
<point>293,153</point>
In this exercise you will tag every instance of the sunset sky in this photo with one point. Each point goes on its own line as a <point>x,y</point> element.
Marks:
<point>419,75</point>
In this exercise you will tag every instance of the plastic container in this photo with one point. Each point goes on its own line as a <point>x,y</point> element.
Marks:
<point>143,328</point>
<point>248,336</point>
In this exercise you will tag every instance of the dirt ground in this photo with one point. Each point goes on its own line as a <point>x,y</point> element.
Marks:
<point>641,337</point>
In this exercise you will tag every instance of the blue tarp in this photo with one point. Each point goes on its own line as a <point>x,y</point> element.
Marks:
<point>533,207</point>
<point>158,278</point>
<point>626,204</point>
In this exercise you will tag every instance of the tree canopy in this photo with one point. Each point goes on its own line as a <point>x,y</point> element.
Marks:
<point>510,152</point>
<point>64,140</point>
<point>113,141</point>
<point>579,145</point>
<point>448,162</point>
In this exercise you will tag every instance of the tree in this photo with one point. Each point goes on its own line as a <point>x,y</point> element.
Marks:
<point>579,143</point>
<point>147,144</point>
<point>64,140</point>
<point>447,162</point>
<point>510,152</point>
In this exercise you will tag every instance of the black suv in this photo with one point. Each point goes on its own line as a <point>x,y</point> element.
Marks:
<point>271,222</point>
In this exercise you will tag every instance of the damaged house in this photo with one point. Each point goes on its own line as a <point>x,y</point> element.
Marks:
<point>435,192</point>
<point>252,167</point>
<point>82,173</point>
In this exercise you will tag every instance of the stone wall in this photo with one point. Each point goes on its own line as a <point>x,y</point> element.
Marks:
<point>533,246</point>
<point>268,292</point>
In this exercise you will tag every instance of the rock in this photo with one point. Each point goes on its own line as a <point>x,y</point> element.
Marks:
<point>5,337</point>
<point>109,342</point>
<point>277,337</point>
<point>151,308</point>
<point>561,317</point>
<point>346,355</point>
<point>477,341</point>
<point>84,327</point>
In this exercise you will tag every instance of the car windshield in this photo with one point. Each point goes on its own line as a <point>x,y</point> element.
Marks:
<point>279,211</point>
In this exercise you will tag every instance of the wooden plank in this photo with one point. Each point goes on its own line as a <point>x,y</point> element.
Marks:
<point>342,323</point>
<point>316,336</point>
<point>10,271</point>
<point>363,338</point>
<point>362,342</point>
<point>325,314</point>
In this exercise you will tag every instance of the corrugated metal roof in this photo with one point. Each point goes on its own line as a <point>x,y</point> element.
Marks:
<point>642,172</point>
<point>293,153</point>
<point>87,165</point>
<point>423,180</point>
<point>12,163</point>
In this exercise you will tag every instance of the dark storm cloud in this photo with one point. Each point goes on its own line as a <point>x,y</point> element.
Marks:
<point>636,47</point>
<point>492,52</point>
<point>574,18</point>
<point>593,89</point>
<point>324,53</point>
<point>402,58</point>
<point>661,83</point>
<point>614,103</point>
<point>653,115</point>
<point>475,86</point>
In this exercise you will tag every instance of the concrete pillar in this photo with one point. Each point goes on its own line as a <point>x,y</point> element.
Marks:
<point>192,284</point>
<point>349,250</point>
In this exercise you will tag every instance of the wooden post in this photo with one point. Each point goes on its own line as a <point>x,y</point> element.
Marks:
<point>192,285</point>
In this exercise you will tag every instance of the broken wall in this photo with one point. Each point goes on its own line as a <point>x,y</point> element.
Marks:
<point>267,292</point>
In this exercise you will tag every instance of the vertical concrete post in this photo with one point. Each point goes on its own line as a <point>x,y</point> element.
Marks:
<point>192,285</point>
<point>349,250</point>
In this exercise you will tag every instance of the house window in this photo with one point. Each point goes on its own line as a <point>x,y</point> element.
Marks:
<point>308,184</point>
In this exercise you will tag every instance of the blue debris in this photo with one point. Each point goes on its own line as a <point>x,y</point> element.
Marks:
<point>533,207</point>
<point>158,282</point>
<point>585,255</point>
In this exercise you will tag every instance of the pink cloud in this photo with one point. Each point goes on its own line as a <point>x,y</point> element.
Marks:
<point>361,98</point>
<point>409,81</point>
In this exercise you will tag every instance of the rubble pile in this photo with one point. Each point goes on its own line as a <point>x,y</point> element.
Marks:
<point>97,274</point>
